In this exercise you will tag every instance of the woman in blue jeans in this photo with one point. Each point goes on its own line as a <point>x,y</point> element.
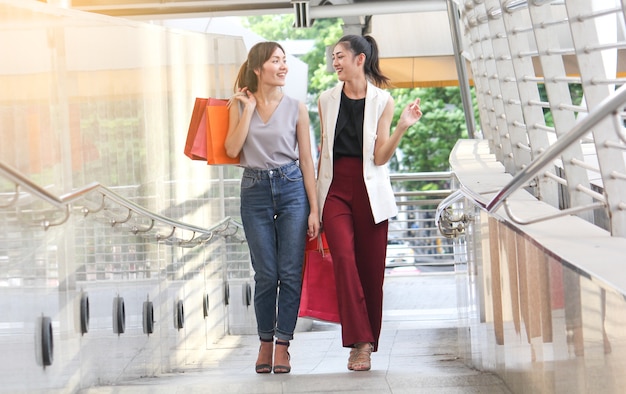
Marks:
<point>270,133</point>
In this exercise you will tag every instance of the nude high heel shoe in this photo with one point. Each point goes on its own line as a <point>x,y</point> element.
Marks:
<point>361,359</point>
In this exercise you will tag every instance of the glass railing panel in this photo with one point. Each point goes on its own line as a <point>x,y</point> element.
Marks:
<point>86,98</point>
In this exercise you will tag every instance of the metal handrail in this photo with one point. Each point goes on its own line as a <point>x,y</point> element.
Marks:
<point>610,106</point>
<point>564,212</point>
<point>21,181</point>
<point>421,176</point>
<point>65,201</point>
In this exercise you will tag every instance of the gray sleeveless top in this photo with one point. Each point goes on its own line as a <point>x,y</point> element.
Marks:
<point>272,144</point>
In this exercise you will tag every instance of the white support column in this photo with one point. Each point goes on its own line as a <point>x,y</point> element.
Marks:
<point>526,79</point>
<point>482,89</point>
<point>547,35</point>
<point>487,36</point>
<point>595,67</point>
<point>512,112</point>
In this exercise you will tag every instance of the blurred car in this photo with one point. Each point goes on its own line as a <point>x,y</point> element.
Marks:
<point>399,253</point>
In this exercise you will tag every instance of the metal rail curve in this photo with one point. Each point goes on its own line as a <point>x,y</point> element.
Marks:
<point>64,202</point>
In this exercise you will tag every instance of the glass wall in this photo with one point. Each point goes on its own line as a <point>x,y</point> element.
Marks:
<point>86,98</point>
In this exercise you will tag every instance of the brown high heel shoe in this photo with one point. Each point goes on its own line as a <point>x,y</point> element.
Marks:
<point>266,350</point>
<point>362,357</point>
<point>282,368</point>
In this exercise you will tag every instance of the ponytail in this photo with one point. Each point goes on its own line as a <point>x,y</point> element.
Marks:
<point>246,77</point>
<point>372,68</point>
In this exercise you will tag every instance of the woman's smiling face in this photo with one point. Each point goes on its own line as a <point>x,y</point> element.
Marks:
<point>345,62</point>
<point>275,69</point>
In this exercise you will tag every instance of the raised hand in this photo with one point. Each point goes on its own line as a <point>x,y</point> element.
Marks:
<point>245,97</point>
<point>411,113</point>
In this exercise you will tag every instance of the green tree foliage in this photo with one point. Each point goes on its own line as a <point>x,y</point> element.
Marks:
<point>426,145</point>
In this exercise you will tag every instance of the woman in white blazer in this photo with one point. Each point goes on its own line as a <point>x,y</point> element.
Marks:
<point>353,188</point>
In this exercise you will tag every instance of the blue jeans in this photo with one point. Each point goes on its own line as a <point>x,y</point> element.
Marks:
<point>274,213</point>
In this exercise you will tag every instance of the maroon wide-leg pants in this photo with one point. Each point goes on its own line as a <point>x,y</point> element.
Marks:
<point>358,248</point>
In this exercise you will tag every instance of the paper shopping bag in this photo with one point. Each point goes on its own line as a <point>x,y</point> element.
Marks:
<point>217,129</point>
<point>196,145</point>
<point>319,291</point>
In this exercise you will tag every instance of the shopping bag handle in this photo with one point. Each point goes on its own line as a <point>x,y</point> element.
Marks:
<point>320,244</point>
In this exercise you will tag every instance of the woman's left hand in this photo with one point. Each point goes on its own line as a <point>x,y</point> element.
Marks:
<point>411,113</point>
<point>314,226</point>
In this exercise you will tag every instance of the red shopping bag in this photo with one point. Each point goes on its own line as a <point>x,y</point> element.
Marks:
<point>319,291</point>
<point>195,146</point>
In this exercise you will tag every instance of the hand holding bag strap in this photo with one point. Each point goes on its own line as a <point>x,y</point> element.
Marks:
<point>322,245</point>
<point>320,248</point>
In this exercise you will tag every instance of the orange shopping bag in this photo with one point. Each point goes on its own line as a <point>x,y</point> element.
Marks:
<point>216,131</point>
<point>318,299</point>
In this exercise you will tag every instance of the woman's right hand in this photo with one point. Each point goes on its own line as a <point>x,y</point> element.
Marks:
<point>244,96</point>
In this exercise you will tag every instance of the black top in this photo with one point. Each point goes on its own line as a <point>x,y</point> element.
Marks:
<point>349,131</point>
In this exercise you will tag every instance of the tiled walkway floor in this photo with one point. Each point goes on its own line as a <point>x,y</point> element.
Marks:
<point>417,354</point>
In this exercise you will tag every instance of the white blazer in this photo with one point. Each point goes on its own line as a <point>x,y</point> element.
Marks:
<point>377,181</point>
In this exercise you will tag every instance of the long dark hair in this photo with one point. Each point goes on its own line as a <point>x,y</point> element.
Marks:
<point>367,46</point>
<point>257,55</point>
